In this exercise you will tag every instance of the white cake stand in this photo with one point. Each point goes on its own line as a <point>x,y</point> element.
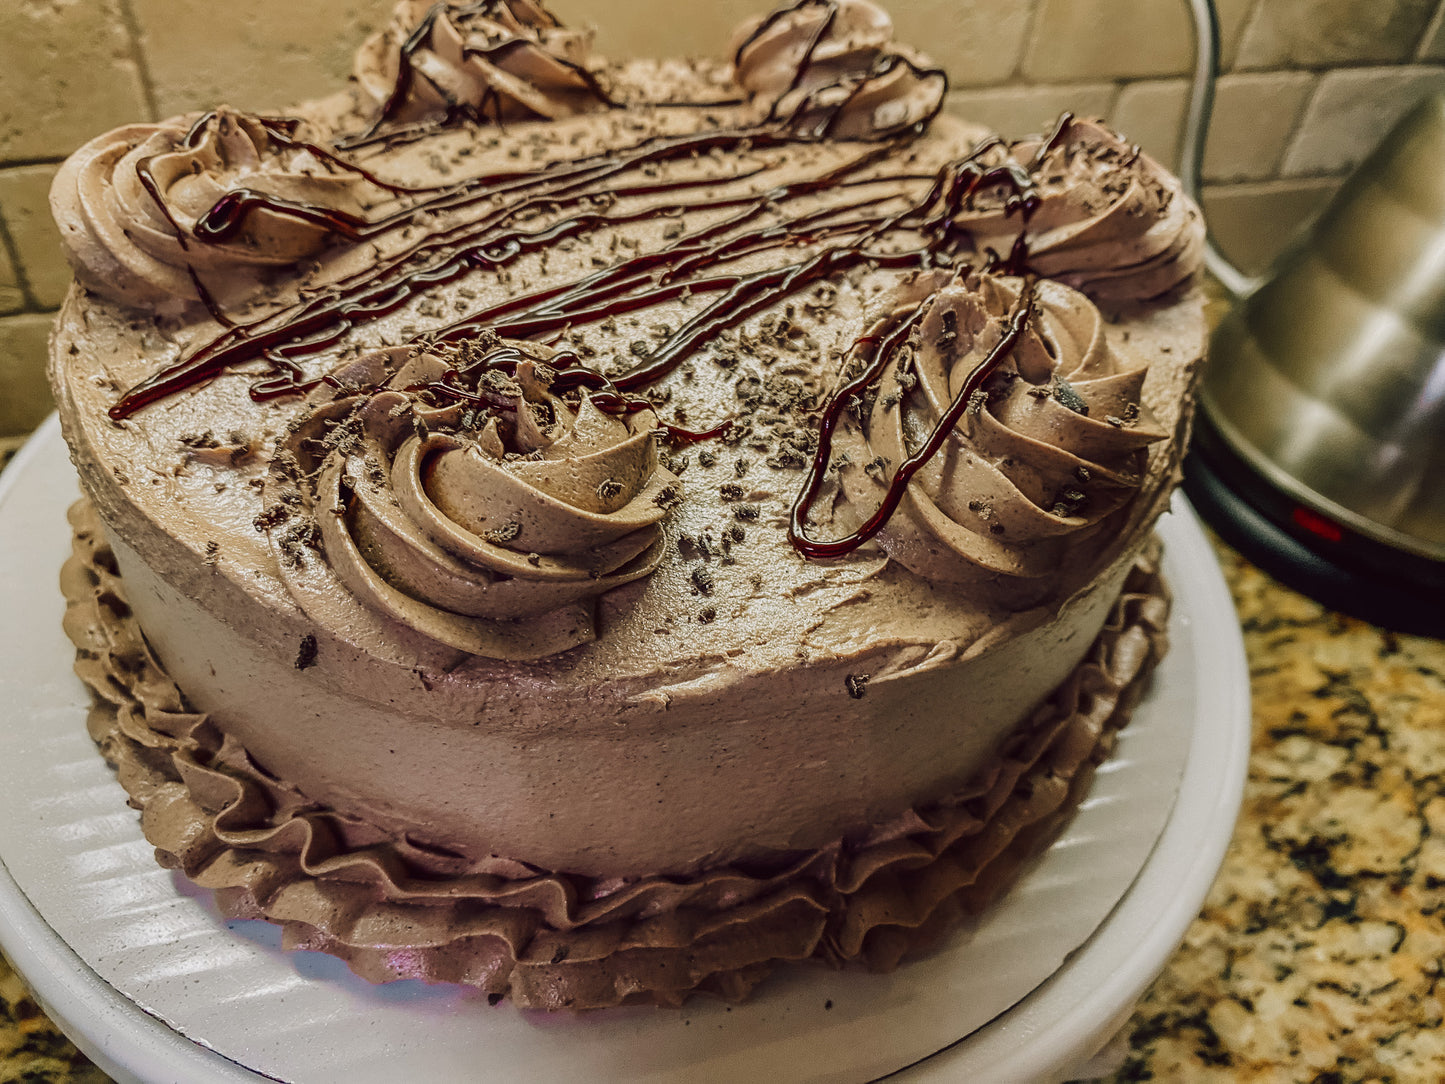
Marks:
<point>142,973</point>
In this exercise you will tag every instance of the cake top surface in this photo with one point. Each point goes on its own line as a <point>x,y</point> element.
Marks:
<point>512,360</point>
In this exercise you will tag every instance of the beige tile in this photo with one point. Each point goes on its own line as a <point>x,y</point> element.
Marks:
<point>1106,39</point>
<point>24,394</point>
<point>1254,115</point>
<point>1127,39</point>
<point>25,210</point>
<point>1233,18</point>
<point>12,295</point>
<point>1300,33</point>
<point>258,55</point>
<point>67,72</point>
<point>1251,223</point>
<point>1351,112</point>
<point>1020,111</point>
<point>1151,114</point>
<point>978,41</point>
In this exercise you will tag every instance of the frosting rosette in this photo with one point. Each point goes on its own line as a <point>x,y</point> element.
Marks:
<point>462,504</point>
<point>1106,218</point>
<point>501,61</point>
<point>1052,443</point>
<point>145,208</point>
<point>832,68</point>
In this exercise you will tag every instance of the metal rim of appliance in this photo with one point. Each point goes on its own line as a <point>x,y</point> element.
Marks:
<point>1314,554</point>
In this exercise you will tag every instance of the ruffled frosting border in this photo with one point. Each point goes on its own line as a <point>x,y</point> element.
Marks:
<point>393,908</point>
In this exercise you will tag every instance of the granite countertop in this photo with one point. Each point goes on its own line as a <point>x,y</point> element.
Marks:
<point>1318,952</point>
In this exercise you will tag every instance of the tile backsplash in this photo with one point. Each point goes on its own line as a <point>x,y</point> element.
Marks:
<point>1308,87</point>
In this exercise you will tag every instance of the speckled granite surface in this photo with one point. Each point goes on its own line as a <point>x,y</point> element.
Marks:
<point>31,1047</point>
<point>1318,953</point>
<point>1317,956</point>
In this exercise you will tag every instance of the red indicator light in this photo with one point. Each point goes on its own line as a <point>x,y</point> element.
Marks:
<point>1316,524</point>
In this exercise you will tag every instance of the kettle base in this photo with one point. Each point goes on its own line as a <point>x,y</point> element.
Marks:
<point>1308,551</point>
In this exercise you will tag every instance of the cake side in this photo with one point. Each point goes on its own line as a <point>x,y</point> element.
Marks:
<point>394,909</point>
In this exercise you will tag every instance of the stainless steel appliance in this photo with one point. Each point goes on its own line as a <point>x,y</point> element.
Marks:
<point>1320,445</point>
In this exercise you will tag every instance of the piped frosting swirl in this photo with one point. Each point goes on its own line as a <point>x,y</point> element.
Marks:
<point>452,494</point>
<point>1049,448</point>
<point>832,69</point>
<point>129,204</point>
<point>1103,216</point>
<point>499,61</point>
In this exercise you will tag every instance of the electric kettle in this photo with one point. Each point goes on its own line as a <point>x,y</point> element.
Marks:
<point>1319,447</point>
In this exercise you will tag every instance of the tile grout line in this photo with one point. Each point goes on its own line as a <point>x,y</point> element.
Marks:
<point>1271,185</point>
<point>143,71</point>
<point>1296,129</point>
<point>1431,29</point>
<point>1316,82</point>
<point>1252,16</point>
<point>21,163</point>
<point>1232,47</point>
<point>22,277</point>
<point>1026,42</point>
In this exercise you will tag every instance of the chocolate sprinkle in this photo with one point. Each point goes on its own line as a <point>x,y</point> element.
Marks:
<point>306,653</point>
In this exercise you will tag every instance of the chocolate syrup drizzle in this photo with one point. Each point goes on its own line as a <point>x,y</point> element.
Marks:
<point>881,342</point>
<point>224,219</point>
<point>845,235</point>
<point>464,384</point>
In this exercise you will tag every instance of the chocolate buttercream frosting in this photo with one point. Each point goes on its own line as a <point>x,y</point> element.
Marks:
<point>1051,441</point>
<point>832,68</point>
<point>393,908</point>
<point>133,204</point>
<point>1103,217</point>
<point>504,60</point>
<point>450,492</point>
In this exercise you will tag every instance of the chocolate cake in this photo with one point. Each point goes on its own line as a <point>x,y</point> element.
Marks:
<point>593,530</point>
